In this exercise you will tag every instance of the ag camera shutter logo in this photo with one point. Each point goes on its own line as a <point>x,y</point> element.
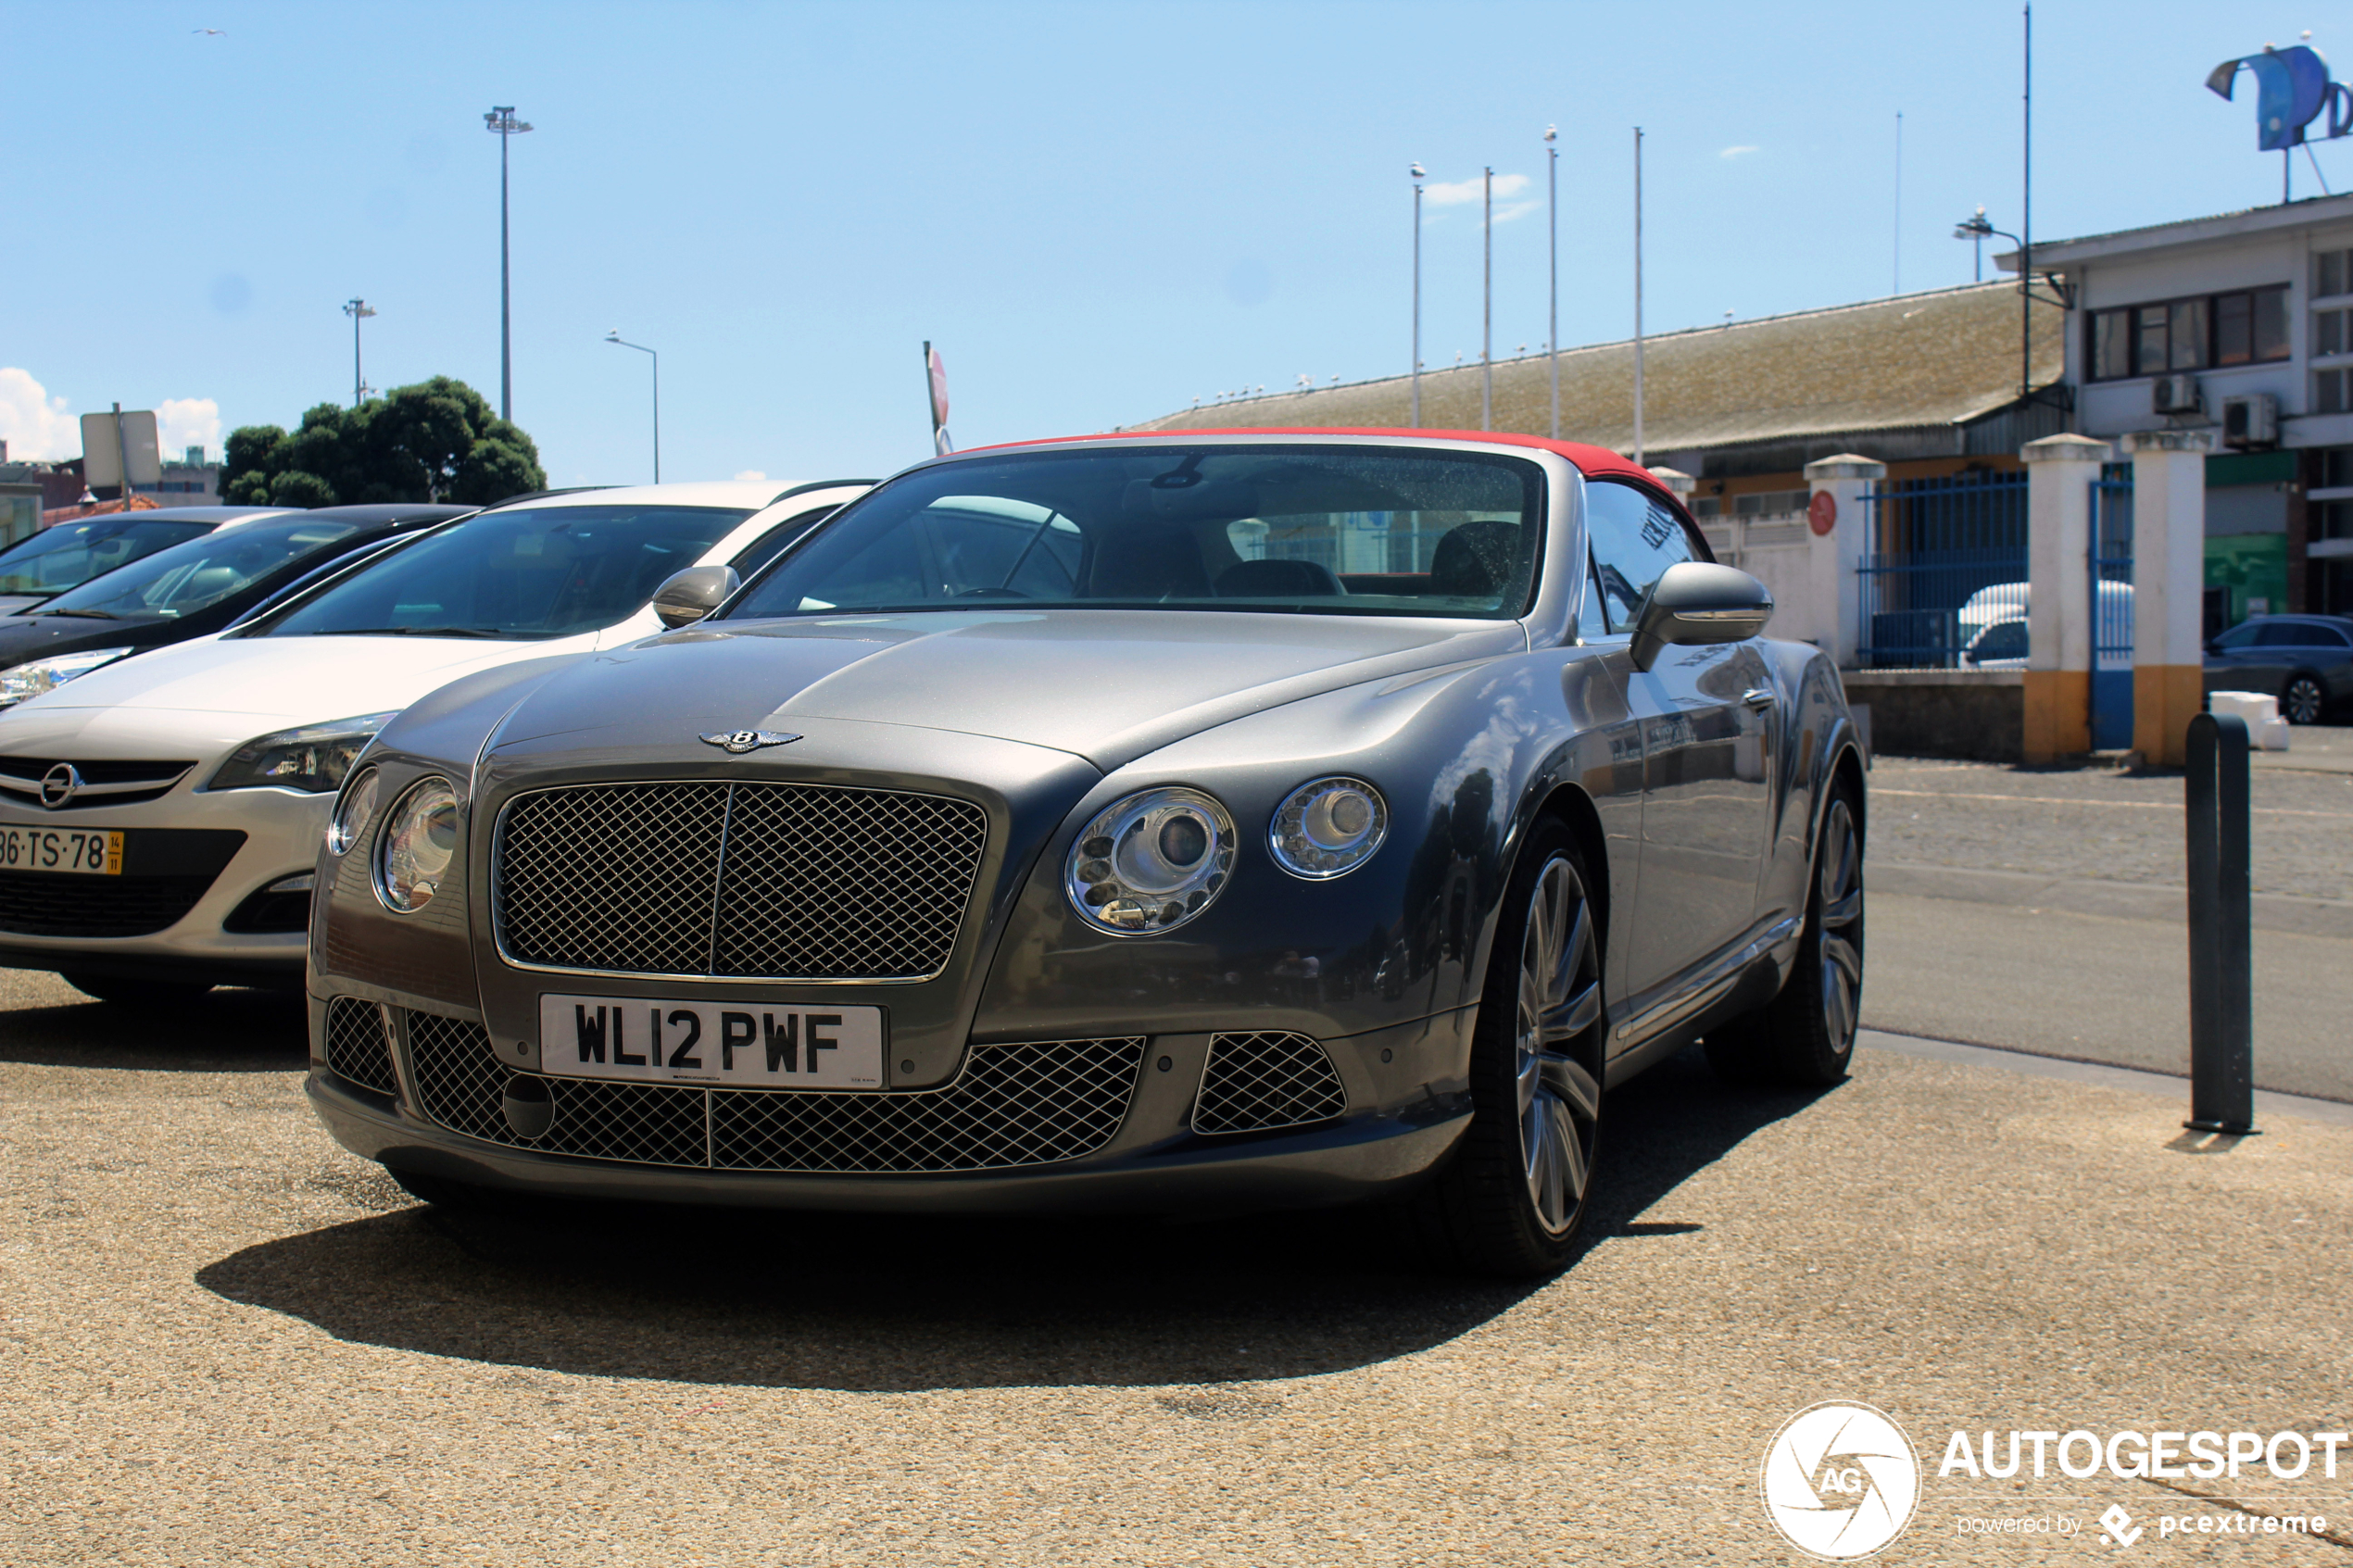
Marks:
<point>1841,1481</point>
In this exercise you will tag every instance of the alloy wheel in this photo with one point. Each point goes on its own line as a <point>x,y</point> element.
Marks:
<point>1842,923</point>
<point>2302,700</point>
<point>1558,1026</point>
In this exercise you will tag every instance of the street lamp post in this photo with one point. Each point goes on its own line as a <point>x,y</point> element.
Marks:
<point>614,336</point>
<point>1975,228</point>
<point>502,122</point>
<point>1553,221</point>
<point>1415,417</point>
<point>358,311</point>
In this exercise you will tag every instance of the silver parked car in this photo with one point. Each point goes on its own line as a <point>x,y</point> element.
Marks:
<point>1129,823</point>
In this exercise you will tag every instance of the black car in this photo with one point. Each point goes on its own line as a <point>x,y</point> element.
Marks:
<point>189,589</point>
<point>65,555</point>
<point>2305,660</point>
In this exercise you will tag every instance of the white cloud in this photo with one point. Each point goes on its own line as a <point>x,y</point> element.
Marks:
<point>1736,151</point>
<point>1510,210</point>
<point>182,422</point>
<point>34,424</point>
<point>752,475</point>
<point>1463,191</point>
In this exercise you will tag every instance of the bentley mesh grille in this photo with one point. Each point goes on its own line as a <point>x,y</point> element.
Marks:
<point>358,1051</point>
<point>1013,1106</point>
<point>742,881</point>
<point>1254,1082</point>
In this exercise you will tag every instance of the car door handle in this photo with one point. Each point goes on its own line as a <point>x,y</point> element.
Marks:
<point>1757,696</point>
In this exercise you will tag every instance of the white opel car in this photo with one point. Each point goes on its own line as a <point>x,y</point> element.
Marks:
<point>159,816</point>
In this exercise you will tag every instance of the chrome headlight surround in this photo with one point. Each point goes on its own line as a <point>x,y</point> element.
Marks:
<point>353,812</point>
<point>1152,861</point>
<point>310,757</point>
<point>416,846</point>
<point>1327,828</point>
<point>35,676</point>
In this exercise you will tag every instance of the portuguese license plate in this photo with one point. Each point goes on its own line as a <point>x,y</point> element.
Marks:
<point>79,850</point>
<point>640,1040</point>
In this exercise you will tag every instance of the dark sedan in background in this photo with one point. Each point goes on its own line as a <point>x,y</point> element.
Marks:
<point>189,590</point>
<point>2305,660</point>
<point>1158,823</point>
<point>65,555</point>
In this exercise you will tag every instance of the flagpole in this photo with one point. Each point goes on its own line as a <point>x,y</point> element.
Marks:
<point>1638,294</point>
<point>1487,313</point>
<point>1415,419</point>
<point>1553,221</point>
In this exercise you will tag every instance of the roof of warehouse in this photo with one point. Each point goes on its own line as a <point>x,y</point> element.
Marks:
<point>1936,359</point>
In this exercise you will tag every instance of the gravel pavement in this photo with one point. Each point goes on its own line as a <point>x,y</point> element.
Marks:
<point>228,1343</point>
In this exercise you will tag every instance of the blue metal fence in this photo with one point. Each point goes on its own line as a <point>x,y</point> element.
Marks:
<point>2110,559</point>
<point>1947,559</point>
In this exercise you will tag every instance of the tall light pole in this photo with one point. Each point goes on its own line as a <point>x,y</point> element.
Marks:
<point>1487,308</point>
<point>1415,417</point>
<point>1977,227</point>
<point>502,122</point>
<point>614,336</point>
<point>1552,221</point>
<point>1638,294</point>
<point>358,311</point>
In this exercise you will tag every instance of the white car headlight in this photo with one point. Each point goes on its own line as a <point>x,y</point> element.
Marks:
<point>420,838</point>
<point>40,675</point>
<point>313,757</point>
<point>1329,828</point>
<point>1151,862</point>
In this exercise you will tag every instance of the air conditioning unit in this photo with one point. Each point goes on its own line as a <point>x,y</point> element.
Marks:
<point>2251,420</point>
<point>2175,395</point>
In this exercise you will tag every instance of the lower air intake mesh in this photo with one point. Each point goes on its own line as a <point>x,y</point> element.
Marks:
<point>358,1051</point>
<point>1013,1106</point>
<point>1254,1082</point>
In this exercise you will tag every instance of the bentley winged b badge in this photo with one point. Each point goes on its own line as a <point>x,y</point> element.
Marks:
<point>740,741</point>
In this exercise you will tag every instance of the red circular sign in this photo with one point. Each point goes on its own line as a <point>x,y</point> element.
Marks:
<point>1822,511</point>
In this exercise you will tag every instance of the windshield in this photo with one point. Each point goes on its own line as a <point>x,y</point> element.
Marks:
<point>67,555</point>
<point>1349,530</point>
<point>187,577</point>
<point>536,572</point>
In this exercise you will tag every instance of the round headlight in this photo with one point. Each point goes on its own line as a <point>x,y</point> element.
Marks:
<point>352,814</point>
<point>1329,828</point>
<point>419,837</point>
<point>1151,862</point>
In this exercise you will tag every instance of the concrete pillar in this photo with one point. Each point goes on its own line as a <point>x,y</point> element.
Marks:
<point>2168,587</point>
<point>1841,537</point>
<point>2060,471</point>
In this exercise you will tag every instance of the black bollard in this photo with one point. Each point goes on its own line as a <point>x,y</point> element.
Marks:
<point>2221,958</point>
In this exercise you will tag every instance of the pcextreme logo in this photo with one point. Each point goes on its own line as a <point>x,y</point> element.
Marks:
<point>1839,1481</point>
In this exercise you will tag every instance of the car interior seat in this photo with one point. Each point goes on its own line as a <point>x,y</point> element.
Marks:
<point>1278,578</point>
<point>1474,560</point>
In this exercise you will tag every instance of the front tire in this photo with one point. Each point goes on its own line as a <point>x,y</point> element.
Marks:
<point>126,992</point>
<point>1512,1200</point>
<point>2303,700</point>
<point>1805,1037</point>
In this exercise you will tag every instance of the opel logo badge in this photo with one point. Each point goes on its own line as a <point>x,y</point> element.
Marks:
<point>735,741</point>
<point>59,785</point>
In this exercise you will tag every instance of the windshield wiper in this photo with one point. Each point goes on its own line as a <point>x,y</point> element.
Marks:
<point>93,614</point>
<point>411,632</point>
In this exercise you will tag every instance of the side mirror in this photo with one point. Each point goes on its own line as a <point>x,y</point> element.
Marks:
<point>690,595</point>
<point>1699,602</point>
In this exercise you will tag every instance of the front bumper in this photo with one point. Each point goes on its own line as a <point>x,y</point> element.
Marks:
<point>1407,1105</point>
<point>281,832</point>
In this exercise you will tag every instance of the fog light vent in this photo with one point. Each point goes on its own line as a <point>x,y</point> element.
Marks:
<point>1254,1082</point>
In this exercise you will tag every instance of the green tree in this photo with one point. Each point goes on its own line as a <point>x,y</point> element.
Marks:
<point>436,441</point>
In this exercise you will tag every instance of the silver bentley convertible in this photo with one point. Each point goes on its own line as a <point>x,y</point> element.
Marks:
<point>1156,824</point>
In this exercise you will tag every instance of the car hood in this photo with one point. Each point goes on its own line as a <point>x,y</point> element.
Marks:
<point>27,637</point>
<point>218,693</point>
<point>1108,685</point>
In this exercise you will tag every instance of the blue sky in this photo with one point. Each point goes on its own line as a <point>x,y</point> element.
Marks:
<point>1099,212</point>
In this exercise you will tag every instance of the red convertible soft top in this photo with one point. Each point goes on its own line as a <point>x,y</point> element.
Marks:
<point>1591,461</point>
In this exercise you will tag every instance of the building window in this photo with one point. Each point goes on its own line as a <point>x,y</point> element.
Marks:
<point>2332,331</point>
<point>2332,519</point>
<point>2333,392</point>
<point>1770,503</point>
<point>2333,273</point>
<point>2245,326</point>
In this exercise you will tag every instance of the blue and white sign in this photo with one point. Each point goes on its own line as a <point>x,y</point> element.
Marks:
<point>2292,88</point>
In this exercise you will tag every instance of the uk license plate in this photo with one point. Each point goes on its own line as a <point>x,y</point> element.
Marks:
<point>639,1040</point>
<point>78,850</point>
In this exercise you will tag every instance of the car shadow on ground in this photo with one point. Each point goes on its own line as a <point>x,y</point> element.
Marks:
<point>876,1303</point>
<point>223,1031</point>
